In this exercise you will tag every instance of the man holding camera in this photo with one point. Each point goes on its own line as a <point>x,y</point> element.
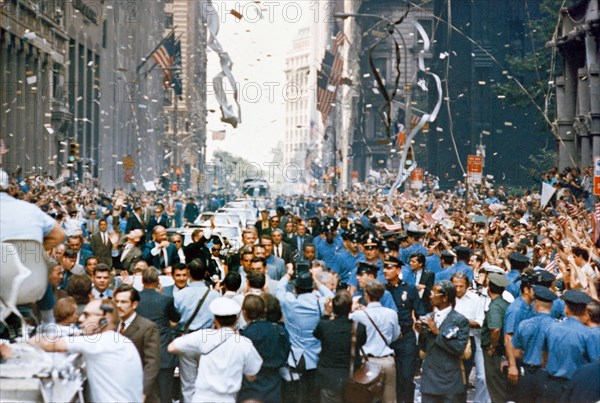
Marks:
<point>114,367</point>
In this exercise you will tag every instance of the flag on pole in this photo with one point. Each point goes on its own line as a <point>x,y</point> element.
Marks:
<point>330,77</point>
<point>163,56</point>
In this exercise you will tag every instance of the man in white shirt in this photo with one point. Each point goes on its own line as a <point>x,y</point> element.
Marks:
<point>470,305</point>
<point>382,329</point>
<point>101,279</point>
<point>225,355</point>
<point>114,368</point>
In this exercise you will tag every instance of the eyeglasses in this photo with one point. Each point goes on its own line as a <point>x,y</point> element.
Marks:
<point>435,294</point>
<point>176,241</point>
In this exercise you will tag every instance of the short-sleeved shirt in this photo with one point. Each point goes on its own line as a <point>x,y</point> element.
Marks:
<point>529,337</point>
<point>494,319</point>
<point>114,367</point>
<point>225,357</point>
<point>516,313</point>
<point>406,298</point>
<point>570,344</point>
<point>22,221</point>
<point>347,264</point>
<point>186,301</point>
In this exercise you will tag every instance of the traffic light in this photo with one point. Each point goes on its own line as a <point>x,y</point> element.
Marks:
<point>73,152</point>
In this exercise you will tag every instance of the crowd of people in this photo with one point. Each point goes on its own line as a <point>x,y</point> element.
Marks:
<point>492,296</point>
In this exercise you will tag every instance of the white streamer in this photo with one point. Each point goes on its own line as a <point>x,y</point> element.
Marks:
<point>210,17</point>
<point>427,117</point>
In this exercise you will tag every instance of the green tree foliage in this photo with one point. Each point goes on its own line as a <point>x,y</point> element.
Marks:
<point>533,63</point>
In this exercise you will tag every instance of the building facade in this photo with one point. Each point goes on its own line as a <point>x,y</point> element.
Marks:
<point>577,126</point>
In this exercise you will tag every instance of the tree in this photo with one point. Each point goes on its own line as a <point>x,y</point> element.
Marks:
<point>231,168</point>
<point>534,64</point>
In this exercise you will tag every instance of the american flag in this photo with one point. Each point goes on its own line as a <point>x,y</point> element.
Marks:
<point>164,54</point>
<point>495,207</point>
<point>596,217</point>
<point>393,227</point>
<point>330,77</point>
<point>433,217</point>
<point>562,220</point>
<point>552,264</point>
<point>572,209</point>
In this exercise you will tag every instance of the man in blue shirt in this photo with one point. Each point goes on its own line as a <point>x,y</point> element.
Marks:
<point>348,259</point>
<point>528,340</point>
<point>516,313</point>
<point>366,272</point>
<point>327,250</point>
<point>518,263</point>
<point>413,235</point>
<point>569,345</point>
<point>302,310</point>
<point>462,257</point>
<point>446,263</point>
<point>408,304</point>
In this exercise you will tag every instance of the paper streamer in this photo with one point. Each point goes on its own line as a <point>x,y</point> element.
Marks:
<point>210,17</point>
<point>427,117</point>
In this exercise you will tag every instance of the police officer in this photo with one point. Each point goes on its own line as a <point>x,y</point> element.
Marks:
<point>569,344</point>
<point>408,303</point>
<point>546,279</point>
<point>527,340</point>
<point>517,312</point>
<point>492,337</point>
<point>371,250</point>
<point>327,249</point>
<point>413,234</point>
<point>349,258</point>
<point>518,263</point>
<point>366,272</point>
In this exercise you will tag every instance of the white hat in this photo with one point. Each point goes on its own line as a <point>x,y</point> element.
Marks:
<point>490,268</point>
<point>4,180</point>
<point>225,307</point>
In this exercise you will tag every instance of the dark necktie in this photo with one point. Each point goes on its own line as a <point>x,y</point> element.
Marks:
<point>101,295</point>
<point>122,329</point>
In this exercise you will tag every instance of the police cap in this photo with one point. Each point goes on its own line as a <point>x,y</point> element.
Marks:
<point>364,267</point>
<point>544,293</point>
<point>224,307</point>
<point>576,297</point>
<point>391,261</point>
<point>498,280</point>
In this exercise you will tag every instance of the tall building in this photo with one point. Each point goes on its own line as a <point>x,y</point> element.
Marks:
<point>303,141</point>
<point>186,117</point>
<point>69,76</point>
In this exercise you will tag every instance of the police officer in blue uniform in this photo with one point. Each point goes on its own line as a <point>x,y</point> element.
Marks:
<point>518,263</point>
<point>327,249</point>
<point>546,279</point>
<point>528,341</point>
<point>569,344</point>
<point>446,263</point>
<point>348,258</point>
<point>462,257</point>
<point>408,303</point>
<point>371,250</point>
<point>413,236</point>
<point>519,310</point>
<point>366,272</point>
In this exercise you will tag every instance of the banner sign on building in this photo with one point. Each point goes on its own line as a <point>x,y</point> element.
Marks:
<point>416,179</point>
<point>597,176</point>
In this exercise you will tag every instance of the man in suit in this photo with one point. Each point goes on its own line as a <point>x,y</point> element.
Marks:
<point>301,238</point>
<point>446,334</point>
<point>101,244</point>
<point>75,242</point>
<point>160,309</point>
<point>288,233</point>
<point>416,274</point>
<point>282,249</point>
<point>160,218</point>
<point>143,333</point>
<point>136,220</point>
<point>146,212</point>
<point>91,224</point>
<point>263,226</point>
<point>160,253</point>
